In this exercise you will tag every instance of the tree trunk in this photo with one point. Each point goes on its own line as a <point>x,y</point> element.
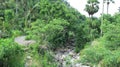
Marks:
<point>107,7</point>
<point>119,9</point>
<point>102,17</point>
<point>16,8</point>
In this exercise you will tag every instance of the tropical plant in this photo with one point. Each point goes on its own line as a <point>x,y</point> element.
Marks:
<point>92,7</point>
<point>108,3</point>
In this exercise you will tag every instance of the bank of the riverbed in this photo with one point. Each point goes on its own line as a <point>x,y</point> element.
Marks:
<point>66,57</point>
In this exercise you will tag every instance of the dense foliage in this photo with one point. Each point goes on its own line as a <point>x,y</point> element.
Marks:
<point>55,24</point>
<point>10,53</point>
<point>105,50</point>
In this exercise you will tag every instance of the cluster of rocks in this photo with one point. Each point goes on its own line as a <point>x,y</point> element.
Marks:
<point>68,58</point>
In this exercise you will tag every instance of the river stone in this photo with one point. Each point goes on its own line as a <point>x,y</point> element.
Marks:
<point>21,41</point>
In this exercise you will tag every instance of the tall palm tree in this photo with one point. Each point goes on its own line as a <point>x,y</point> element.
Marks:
<point>92,7</point>
<point>102,16</point>
<point>108,3</point>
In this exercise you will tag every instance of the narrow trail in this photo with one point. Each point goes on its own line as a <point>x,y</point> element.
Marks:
<point>21,41</point>
<point>66,57</point>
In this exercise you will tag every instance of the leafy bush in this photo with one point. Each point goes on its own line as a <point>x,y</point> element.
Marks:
<point>16,33</point>
<point>105,53</point>
<point>112,60</point>
<point>53,32</point>
<point>45,59</point>
<point>48,60</point>
<point>92,55</point>
<point>10,53</point>
<point>7,23</point>
<point>112,36</point>
<point>85,32</point>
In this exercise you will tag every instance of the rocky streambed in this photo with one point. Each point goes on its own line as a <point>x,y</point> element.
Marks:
<point>68,58</point>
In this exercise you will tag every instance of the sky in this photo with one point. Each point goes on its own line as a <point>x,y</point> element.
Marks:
<point>80,5</point>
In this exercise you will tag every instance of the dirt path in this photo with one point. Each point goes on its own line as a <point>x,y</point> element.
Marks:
<point>21,40</point>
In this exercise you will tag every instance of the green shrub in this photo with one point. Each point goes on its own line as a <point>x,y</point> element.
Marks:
<point>81,36</point>
<point>48,60</point>
<point>92,55</point>
<point>16,33</point>
<point>39,59</point>
<point>10,53</point>
<point>112,37</point>
<point>112,60</point>
<point>52,33</point>
<point>85,32</point>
